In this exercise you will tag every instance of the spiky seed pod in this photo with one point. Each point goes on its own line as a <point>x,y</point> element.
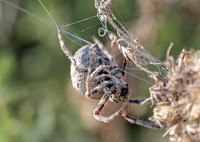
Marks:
<point>178,100</point>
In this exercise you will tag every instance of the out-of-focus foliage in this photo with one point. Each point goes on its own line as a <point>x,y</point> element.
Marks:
<point>34,73</point>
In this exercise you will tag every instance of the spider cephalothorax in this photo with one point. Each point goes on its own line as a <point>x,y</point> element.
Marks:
<point>95,74</point>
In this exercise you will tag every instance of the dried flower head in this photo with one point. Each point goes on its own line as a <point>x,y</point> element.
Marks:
<point>178,99</point>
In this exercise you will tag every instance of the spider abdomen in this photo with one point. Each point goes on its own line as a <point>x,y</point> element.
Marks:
<point>84,57</point>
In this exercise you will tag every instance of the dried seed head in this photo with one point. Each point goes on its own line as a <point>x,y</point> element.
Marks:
<point>178,100</point>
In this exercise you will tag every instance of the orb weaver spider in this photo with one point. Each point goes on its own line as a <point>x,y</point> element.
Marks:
<point>94,74</point>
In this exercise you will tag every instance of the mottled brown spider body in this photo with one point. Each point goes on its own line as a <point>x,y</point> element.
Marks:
<point>103,77</point>
<point>94,74</point>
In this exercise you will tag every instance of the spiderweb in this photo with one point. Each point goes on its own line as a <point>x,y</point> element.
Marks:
<point>104,29</point>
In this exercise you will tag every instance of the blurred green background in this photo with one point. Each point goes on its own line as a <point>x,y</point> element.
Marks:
<point>37,101</point>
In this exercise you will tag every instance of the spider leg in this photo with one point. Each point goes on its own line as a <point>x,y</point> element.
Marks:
<point>104,77</point>
<point>105,68</point>
<point>100,106</point>
<point>88,80</point>
<point>138,121</point>
<point>90,93</point>
<point>101,86</point>
<point>139,101</point>
<point>101,46</point>
<point>124,66</point>
<point>68,53</point>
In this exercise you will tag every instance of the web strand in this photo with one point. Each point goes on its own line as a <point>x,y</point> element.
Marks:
<point>44,21</point>
<point>67,34</point>
<point>86,19</point>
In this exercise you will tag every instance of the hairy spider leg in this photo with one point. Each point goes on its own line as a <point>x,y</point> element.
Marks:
<point>101,46</point>
<point>139,101</point>
<point>68,53</point>
<point>102,67</point>
<point>124,66</point>
<point>90,93</point>
<point>138,121</point>
<point>101,86</point>
<point>88,80</point>
<point>100,106</point>
<point>103,77</point>
<point>98,42</point>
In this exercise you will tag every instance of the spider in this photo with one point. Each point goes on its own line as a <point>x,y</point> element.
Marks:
<point>94,74</point>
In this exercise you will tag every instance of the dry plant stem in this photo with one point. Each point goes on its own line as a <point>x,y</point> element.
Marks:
<point>169,49</point>
<point>134,49</point>
<point>135,46</point>
<point>135,61</point>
